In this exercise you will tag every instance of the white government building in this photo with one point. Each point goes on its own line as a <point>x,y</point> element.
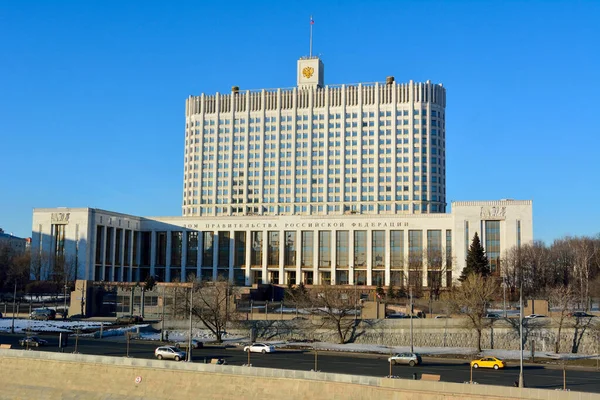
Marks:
<point>340,184</point>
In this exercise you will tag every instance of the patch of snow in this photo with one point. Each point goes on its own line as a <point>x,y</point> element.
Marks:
<point>202,335</point>
<point>25,325</point>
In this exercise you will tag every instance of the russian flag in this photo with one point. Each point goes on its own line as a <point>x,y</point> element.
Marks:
<point>312,21</point>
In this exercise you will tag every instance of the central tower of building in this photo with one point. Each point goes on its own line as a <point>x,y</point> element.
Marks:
<point>315,149</point>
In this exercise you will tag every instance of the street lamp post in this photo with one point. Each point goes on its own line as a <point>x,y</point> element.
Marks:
<point>190,335</point>
<point>355,296</point>
<point>12,327</point>
<point>162,322</point>
<point>412,349</point>
<point>521,336</point>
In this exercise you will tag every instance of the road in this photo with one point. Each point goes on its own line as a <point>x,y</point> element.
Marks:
<point>538,376</point>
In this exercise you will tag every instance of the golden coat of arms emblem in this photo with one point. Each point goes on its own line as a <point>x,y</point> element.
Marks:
<point>308,72</point>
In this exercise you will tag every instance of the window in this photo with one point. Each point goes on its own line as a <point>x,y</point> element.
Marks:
<point>307,249</point>
<point>378,249</point>
<point>342,249</point>
<point>360,249</point>
<point>397,249</point>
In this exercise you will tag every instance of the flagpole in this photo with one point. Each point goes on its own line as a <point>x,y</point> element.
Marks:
<point>311,29</point>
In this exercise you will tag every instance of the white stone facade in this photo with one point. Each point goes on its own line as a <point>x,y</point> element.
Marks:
<point>367,148</point>
<point>377,248</point>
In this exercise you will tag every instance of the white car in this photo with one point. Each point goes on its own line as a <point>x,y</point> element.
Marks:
<point>169,352</point>
<point>259,348</point>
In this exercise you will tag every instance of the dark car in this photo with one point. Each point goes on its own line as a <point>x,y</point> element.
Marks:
<point>492,316</point>
<point>43,314</point>
<point>32,341</point>
<point>581,314</point>
<point>129,319</point>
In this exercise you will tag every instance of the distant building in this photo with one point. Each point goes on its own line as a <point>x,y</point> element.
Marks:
<point>18,244</point>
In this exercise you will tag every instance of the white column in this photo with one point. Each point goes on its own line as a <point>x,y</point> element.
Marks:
<point>130,261</point>
<point>282,242</point>
<point>122,256</point>
<point>168,258</point>
<point>184,240</point>
<point>388,256</point>
<point>369,257</point>
<point>351,257</point>
<point>231,254</point>
<point>298,257</point>
<point>406,254</point>
<point>249,280</point>
<point>104,244</point>
<point>424,263</point>
<point>333,249</point>
<point>215,254</point>
<point>113,253</point>
<point>265,243</point>
<point>316,277</point>
<point>152,253</point>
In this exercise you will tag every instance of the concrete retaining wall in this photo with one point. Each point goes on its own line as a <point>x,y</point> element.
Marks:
<point>36,375</point>
<point>427,333</point>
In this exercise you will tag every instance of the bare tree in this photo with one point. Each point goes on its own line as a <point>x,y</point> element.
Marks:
<point>40,265</point>
<point>335,306</point>
<point>471,299</point>
<point>585,252</point>
<point>436,269</point>
<point>562,299</point>
<point>212,305</point>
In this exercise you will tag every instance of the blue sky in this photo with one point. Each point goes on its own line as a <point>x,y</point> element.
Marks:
<point>92,93</point>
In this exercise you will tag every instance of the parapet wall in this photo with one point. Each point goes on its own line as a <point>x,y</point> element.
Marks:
<point>36,375</point>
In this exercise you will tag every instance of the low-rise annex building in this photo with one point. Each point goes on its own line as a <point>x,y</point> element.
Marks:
<point>326,249</point>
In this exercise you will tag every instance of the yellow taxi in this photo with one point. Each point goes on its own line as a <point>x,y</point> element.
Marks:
<point>488,362</point>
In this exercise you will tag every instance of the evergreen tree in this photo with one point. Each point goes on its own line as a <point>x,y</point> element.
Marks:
<point>150,282</point>
<point>477,261</point>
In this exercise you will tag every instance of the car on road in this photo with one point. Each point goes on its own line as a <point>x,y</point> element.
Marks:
<point>581,314</point>
<point>492,316</point>
<point>196,344</point>
<point>43,314</point>
<point>129,319</point>
<point>532,316</point>
<point>32,341</point>
<point>260,348</point>
<point>488,362</point>
<point>169,353</point>
<point>411,359</point>
<point>397,315</point>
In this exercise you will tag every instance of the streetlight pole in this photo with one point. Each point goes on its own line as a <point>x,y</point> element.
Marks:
<point>355,296</point>
<point>521,335</point>
<point>190,335</point>
<point>162,322</point>
<point>12,327</point>
<point>412,349</point>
